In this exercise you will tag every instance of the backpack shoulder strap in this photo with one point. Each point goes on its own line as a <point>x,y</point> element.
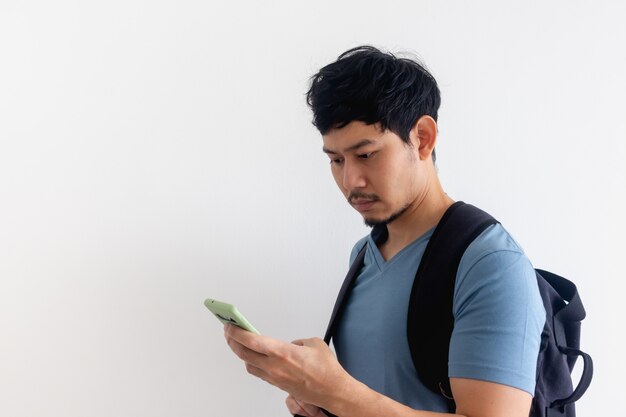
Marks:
<point>351,276</point>
<point>430,320</point>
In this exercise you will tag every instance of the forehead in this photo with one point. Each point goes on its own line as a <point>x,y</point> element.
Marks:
<point>354,134</point>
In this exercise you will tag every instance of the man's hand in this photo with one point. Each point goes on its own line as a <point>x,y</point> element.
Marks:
<point>306,369</point>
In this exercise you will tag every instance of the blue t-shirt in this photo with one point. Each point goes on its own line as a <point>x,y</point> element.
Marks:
<point>497,310</point>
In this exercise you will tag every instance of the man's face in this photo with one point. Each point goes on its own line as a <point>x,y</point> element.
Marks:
<point>375,170</point>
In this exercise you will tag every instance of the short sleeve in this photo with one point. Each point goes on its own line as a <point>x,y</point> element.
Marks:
<point>499,317</point>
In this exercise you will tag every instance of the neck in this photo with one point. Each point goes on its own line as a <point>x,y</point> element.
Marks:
<point>421,216</point>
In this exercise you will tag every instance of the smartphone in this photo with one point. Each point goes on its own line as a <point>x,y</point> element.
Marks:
<point>228,313</point>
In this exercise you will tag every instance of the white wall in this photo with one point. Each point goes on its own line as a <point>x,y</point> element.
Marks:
<point>153,154</point>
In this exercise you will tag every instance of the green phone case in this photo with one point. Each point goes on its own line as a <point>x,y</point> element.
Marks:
<point>228,313</point>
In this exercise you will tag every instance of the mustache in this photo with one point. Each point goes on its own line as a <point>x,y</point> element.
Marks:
<point>354,195</point>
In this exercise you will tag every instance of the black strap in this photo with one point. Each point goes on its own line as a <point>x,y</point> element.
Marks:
<point>585,379</point>
<point>340,305</point>
<point>574,310</point>
<point>430,320</point>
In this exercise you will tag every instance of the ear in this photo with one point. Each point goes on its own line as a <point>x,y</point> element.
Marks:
<point>424,136</point>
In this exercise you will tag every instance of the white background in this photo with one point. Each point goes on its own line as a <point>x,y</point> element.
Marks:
<point>153,154</point>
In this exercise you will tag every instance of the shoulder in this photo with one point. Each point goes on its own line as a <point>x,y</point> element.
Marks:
<point>494,248</point>
<point>494,239</point>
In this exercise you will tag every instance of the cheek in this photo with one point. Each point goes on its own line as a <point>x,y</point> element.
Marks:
<point>338,177</point>
<point>398,180</point>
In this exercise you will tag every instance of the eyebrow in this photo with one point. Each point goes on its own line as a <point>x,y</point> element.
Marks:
<point>357,145</point>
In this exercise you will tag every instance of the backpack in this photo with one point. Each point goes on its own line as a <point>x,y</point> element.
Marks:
<point>432,296</point>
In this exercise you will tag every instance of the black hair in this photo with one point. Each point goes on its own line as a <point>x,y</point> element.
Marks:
<point>368,85</point>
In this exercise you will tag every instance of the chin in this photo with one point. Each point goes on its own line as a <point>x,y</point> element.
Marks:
<point>371,222</point>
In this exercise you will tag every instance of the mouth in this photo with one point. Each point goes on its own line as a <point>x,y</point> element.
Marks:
<point>362,201</point>
<point>362,205</point>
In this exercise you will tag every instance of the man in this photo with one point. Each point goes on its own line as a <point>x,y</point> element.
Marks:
<point>378,118</point>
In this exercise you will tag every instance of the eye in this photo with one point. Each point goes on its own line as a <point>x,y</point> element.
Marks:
<point>367,155</point>
<point>336,161</point>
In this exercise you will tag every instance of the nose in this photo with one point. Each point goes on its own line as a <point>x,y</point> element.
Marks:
<point>353,176</point>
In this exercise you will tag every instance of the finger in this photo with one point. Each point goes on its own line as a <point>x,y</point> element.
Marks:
<point>259,343</point>
<point>245,354</point>
<point>294,408</point>
<point>310,409</point>
<point>259,373</point>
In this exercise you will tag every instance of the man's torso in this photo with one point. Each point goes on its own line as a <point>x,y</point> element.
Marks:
<point>497,309</point>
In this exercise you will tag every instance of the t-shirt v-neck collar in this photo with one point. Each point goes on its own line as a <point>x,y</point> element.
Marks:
<point>379,235</point>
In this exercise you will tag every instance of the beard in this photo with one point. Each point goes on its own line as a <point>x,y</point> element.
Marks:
<point>386,221</point>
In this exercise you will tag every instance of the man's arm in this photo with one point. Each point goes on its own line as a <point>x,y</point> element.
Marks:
<point>310,373</point>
